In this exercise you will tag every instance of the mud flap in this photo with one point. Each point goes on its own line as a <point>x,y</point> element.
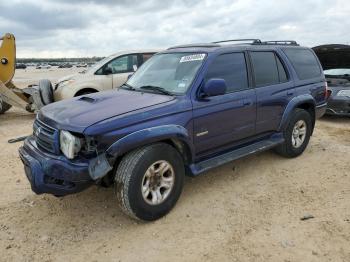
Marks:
<point>99,167</point>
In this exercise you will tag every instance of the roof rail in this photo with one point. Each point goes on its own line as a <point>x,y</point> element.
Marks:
<point>253,41</point>
<point>279,42</point>
<point>204,45</point>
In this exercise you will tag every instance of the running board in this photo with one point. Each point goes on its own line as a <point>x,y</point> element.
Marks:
<point>216,161</point>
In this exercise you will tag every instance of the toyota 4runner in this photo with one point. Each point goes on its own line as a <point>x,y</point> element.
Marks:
<point>186,110</point>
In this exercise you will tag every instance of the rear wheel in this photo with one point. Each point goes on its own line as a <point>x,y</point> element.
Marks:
<point>149,181</point>
<point>4,106</point>
<point>296,135</point>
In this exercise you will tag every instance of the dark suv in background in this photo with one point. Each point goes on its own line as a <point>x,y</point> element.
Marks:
<point>186,110</point>
<point>335,60</point>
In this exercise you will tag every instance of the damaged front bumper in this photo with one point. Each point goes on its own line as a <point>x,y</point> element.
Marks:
<point>57,175</point>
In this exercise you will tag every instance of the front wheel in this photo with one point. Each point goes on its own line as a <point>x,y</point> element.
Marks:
<point>149,181</point>
<point>296,135</point>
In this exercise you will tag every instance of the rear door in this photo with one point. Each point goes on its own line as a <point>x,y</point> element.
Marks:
<point>274,89</point>
<point>220,121</point>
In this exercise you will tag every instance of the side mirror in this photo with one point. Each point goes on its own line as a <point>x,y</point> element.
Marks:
<point>107,70</point>
<point>214,87</point>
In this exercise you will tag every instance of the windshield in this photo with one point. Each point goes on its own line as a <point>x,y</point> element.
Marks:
<point>171,72</point>
<point>337,72</point>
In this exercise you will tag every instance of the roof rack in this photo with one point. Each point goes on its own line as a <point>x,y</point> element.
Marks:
<point>252,40</point>
<point>279,42</point>
<point>195,45</point>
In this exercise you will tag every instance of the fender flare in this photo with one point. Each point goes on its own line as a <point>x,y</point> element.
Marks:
<point>294,103</point>
<point>151,135</point>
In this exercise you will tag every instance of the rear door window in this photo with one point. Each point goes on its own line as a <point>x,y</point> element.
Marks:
<point>232,68</point>
<point>265,68</point>
<point>304,62</point>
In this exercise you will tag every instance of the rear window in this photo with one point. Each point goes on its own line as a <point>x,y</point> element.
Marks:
<point>304,63</point>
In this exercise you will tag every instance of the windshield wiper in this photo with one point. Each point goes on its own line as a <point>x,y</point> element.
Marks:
<point>158,89</point>
<point>128,86</point>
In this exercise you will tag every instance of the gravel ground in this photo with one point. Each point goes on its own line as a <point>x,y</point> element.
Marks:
<point>247,210</point>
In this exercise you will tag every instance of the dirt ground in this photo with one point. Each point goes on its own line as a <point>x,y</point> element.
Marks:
<point>247,210</point>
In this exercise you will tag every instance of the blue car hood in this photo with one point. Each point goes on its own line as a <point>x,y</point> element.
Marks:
<point>81,112</point>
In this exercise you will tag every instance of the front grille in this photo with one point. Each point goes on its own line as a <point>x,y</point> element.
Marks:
<point>45,136</point>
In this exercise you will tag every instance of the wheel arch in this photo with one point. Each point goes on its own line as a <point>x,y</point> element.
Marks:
<point>305,102</point>
<point>84,90</point>
<point>174,135</point>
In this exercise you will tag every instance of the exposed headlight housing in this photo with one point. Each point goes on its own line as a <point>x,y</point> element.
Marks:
<point>70,145</point>
<point>344,93</point>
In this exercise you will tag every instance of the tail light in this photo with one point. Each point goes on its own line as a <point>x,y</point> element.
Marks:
<point>327,92</point>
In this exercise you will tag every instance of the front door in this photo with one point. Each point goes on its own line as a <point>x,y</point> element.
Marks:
<point>223,120</point>
<point>121,67</point>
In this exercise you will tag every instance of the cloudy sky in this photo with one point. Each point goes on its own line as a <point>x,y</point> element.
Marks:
<point>76,28</point>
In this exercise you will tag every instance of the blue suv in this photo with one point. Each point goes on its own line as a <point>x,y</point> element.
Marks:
<point>186,110</point>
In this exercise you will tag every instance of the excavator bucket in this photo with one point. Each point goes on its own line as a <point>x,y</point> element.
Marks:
<point>10,95</point>
<point>7,58</point>
<point>28,98</point>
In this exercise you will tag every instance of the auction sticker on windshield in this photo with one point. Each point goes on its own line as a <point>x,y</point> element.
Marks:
<point>189,58</point>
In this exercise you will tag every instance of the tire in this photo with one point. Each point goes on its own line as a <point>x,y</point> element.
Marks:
<point>295,145</point>
<point>131,178</point>
<point>46,91</point>
<point>4,106</point>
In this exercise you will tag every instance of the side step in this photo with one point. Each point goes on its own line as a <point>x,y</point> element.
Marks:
<point>257,147</point>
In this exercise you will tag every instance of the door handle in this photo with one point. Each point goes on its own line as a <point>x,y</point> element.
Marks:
<point>290,93</point>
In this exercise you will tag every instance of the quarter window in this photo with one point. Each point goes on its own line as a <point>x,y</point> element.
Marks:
<point>304,62</point>
<point>232,68</point>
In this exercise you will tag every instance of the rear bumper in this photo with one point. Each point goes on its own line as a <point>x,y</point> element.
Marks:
<point>320,110</point>
<point>53,174</point>
<point>339,106</point>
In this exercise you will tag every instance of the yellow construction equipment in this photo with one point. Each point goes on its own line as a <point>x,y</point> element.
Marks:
<point>28,98</point>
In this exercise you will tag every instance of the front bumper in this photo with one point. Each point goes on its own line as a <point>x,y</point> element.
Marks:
<point>53,174</point>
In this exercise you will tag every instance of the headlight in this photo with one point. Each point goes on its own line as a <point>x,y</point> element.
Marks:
<point>344,93</point>
<point>70,145</point>
<point>66,82</point>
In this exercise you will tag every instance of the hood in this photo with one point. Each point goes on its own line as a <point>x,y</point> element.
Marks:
<point>81,112</point>
<point>333,56</point>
